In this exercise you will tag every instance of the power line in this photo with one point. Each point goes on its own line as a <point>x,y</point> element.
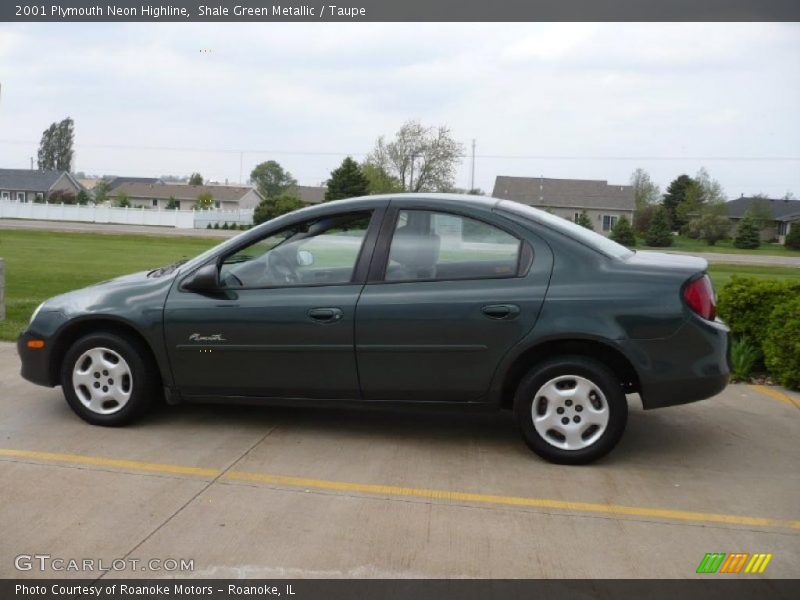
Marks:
<point>241,151</point>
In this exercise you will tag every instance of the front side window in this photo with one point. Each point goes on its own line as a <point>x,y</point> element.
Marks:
<point>428,245</point>
<point>319,252</point>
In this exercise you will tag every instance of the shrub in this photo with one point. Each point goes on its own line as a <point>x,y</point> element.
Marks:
<point>225,225</point>
<point>622,233</point>
<point>782,343</point>
<point>744,357</point>
<point>709,227</point>
<point>585,221</point>
<point>208,226</point>
<point>746,304</point>
<point>216,225</point>
<point>272,207</point>
<point>659,233</point>
<point>793,237</point>
<point>747,234</point>
<point>643,217</point>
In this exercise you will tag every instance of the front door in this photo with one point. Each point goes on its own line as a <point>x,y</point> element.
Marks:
<point>281,323</point>
<point>455,294</point>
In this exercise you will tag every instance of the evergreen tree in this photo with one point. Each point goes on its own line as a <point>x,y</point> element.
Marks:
<point>272,207</point>
<point>347,181</point>
<point>793,237</point>
<point>659,233</point>
<point>622,232</point>
<point>676,194</point>
<point>584,220</point>
<point>747,234</point>
<point>196,179</point>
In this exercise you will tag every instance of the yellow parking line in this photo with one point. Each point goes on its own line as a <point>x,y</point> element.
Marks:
<point>97,461</point>
<point>398,491</point>
<point>777,394</point>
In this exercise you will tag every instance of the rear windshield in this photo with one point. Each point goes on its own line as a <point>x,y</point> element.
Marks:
<point>567,227</point>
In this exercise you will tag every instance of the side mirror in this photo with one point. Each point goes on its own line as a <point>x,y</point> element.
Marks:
<point>205,279</point>
<point>305,258</point>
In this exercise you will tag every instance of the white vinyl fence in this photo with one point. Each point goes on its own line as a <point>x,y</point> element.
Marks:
<point>92,213</point>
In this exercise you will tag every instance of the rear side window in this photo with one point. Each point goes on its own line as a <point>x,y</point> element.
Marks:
<point>428,245</point>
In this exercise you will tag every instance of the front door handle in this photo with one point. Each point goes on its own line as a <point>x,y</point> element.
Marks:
<point>325,315</point>
<point>501,311</point>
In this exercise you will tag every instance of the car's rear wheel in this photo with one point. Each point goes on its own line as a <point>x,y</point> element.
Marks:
<point>108,379</point>
<point>571,410</point>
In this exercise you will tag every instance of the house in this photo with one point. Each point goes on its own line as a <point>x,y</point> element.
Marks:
<point>308,194</point>
<point>785,215</point>
<point>158,195</point>
<point>115,182</point>
<point>26,185</point>
<point>603,203</point>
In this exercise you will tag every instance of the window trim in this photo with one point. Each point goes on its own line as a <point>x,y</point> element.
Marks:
<point>359,269</point>
<point>380,260</point>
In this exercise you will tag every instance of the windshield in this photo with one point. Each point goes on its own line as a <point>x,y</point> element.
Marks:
<point>568,228</point>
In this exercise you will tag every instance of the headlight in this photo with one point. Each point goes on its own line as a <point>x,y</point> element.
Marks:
<point>36,312</point>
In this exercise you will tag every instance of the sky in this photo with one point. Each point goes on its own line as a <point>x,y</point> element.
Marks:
<point>577,100</point>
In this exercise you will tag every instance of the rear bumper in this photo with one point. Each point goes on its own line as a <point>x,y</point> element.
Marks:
<point>36,364</point>
<point>688,366</point>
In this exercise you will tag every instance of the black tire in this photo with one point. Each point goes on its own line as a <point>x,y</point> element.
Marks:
<point>599,376</point>
<point>142,381</point>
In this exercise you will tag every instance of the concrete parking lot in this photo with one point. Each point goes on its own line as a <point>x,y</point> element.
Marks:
<point>277,492</point>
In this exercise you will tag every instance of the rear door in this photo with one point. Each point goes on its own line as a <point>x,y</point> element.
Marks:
<point>449,293</point>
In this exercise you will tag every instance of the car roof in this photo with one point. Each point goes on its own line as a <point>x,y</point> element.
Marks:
<point>432,199</point>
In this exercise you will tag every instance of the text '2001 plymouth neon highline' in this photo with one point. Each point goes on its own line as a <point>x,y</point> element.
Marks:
<point>386,300</point>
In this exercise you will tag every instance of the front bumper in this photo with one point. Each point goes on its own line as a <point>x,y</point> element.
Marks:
<point>36,363</point>
<point>688,366</point>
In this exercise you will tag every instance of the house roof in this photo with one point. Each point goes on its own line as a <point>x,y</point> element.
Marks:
<point>115,182</point>
<point>27,180</point>
<point>309,194</point>
<point>180,191</point>
<point>569,193</point>
<point>780,208</point>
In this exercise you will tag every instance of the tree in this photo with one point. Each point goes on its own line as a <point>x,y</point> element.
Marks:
<point>82,197</point>
<point>584,220</point>
<point>271,179</point>
<point>423,159</point>
<point>272,207</point>
<point>676,193</point>
<point>645,192</point>
<point>747,233</point>
<point>761,210</point>
<point>379,181</point>
<point>712,224</point>
<point>204,201</point>
<point>643,217</point>
<point>172,203</point>
<point>622,232</point>
<point>100,192</point>
<point>195,179</point>
<point>793,237</point>
<point>55,148</point>
<point>122,200</point>
<point>659,233</point>
<point>347,181</point>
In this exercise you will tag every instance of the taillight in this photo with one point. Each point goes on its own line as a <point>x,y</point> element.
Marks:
<point>699,295</point>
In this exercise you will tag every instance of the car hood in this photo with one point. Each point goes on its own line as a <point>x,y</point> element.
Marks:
<point>646,258</point>
<point>119,296</point>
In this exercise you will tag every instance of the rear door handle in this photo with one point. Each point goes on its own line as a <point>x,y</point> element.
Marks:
<point>325,315</point>
<point>501,311</point>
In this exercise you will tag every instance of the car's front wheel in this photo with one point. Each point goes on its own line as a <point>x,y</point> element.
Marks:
<point>108,379</point>
<point>571,410</point>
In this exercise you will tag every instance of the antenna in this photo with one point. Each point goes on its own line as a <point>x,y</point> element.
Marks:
<point>472,170</point>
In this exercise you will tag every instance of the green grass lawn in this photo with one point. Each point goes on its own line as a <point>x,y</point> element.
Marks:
<point>721,274</point>
<point>41,264</point>
<point>685,244</point>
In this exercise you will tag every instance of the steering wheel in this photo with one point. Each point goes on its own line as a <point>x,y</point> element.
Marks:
<point>281,269</point>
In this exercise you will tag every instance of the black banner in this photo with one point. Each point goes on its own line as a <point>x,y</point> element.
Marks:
<point>713,588</point>
<point>399,10</point>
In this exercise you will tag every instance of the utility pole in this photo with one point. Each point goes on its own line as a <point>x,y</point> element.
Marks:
<point>472,170</point>
<point>241,159</point>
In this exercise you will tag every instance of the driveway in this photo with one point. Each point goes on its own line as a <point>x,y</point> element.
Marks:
<point>268,492</point>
